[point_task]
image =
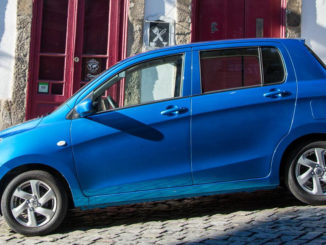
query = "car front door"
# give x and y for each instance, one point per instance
(245, 105)
(140, 142)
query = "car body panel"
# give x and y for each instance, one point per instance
(39, 146)
(20, 128)
(180, 192)
(125, 151)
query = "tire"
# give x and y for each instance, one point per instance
(34, 203)
(306, 173)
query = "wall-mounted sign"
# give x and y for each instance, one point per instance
(43, 88)
(158, 33)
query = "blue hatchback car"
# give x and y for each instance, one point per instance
(183, 121)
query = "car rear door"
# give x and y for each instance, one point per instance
(241, 109)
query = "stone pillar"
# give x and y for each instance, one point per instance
(134, 46)
(183, 23)
(293, 18)
(13, 111)
(135, 27)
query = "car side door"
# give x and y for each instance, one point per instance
(243, 105)
(140, 142)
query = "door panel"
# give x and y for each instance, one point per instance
(142, 143)
(263, 18)
(54, 26)
(49, 86)
(220, 19)
(230, 19)
(133, 149)
(91, 53)
(234, 133)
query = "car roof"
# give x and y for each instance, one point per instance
(217, 42)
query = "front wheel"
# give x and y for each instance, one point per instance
(34, 203)
(306, 173)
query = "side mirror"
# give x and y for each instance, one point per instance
(85, 108)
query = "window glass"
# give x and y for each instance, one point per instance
(147, 82)
(229, 68)
(273, 65)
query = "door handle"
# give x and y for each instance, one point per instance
(173, 111)
(276, 93)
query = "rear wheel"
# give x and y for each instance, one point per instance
(34, 203)
(306, 173)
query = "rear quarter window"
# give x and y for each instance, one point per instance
(272, 65)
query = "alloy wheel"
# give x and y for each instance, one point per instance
(310, 171)
(33, 203)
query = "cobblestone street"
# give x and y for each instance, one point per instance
(268, 217)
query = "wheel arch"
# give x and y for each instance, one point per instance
(306, 139)
(33, 166)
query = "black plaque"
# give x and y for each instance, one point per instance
(159, 33)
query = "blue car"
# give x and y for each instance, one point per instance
(191, 120)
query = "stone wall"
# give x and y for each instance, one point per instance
(13, 111)
(135, 27)
(183, 23)
(134, 46)
(293, 18)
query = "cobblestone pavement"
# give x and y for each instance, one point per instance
(267, 217)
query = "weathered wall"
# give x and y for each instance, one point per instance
(135, 26)
(183, 22)
(12, 111)
(134, 46)
(314, 25)
(8, 9)
(293, 18)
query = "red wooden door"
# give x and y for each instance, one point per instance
(263, 18)
(72, 42)
(219, 19)
(229, 19)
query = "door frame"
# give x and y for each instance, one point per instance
(195, 27)
(119, 54)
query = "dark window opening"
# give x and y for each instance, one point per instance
(57, 88)
(272, 65)
(230, 68)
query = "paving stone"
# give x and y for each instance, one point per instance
(311, 235)
(266, 217)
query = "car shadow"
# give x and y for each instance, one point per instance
(177, 209)
(128, 125)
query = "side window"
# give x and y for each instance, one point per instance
(146, 82)
(229, 68)
(273, 65)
